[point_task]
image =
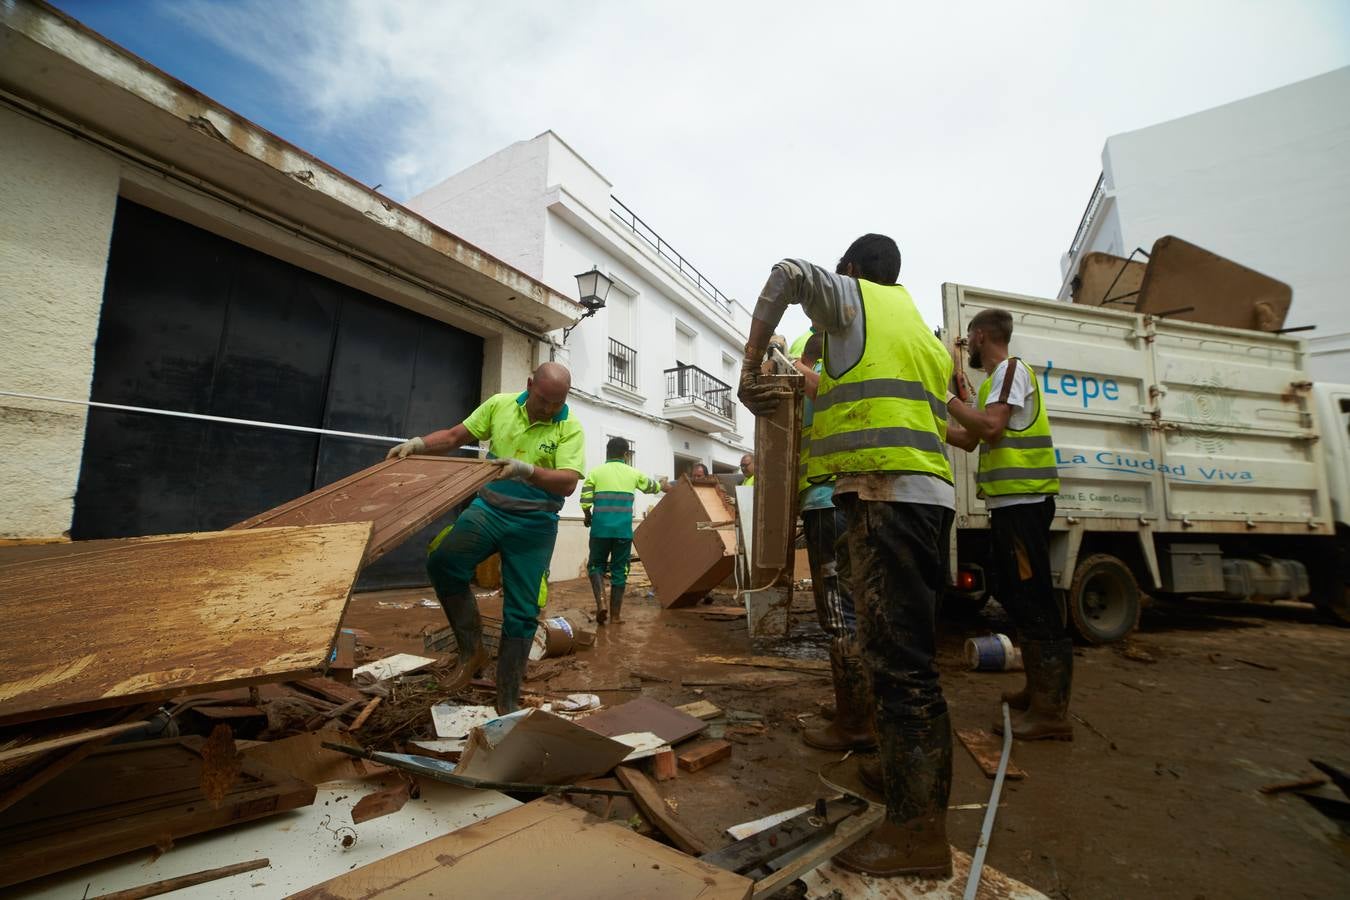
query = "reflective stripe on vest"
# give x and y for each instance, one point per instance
(1023, 462)
(885, 414)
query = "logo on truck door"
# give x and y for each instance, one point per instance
(1083, 388)
(1116, 461)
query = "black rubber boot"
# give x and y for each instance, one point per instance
(462, 612)
(1050, 683)
(912, 839)
(512, 657)
(852, 727)
(1031, 659)
(870, 774)
(598, 588)
(616, 601)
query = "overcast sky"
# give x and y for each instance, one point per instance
(745, 132)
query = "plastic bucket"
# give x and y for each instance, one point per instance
(992, 653)
(555, 637)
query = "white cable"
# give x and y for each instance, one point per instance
(222, 419)
(977, 861)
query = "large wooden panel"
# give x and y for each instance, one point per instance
(687, 543)
(92, 624)
(777, 459)
(1191, 283)
(131, 797)
(547, 848)
(1105, 276)
(400, 496)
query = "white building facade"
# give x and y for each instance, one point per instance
(658, 365)
(1264, 181)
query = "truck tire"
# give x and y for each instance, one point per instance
(1104, 600)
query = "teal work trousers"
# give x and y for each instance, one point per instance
(525, 541)
(612, 554)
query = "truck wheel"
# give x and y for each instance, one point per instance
(1103, 599)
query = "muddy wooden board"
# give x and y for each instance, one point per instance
(547, 848)
(400, 496)
(1191, 283)
(687, 543)
(777, 440)
(986, 749)
(118, 622)
(1105, 276)
(130, 797)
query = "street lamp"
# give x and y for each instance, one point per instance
(592, 287)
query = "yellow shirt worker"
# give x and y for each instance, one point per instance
(607, 504)
(541, 451)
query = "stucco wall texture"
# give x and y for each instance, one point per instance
(58, 197)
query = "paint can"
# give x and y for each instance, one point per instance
(993, 653)
(555, 637)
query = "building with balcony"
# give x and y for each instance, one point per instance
(659, 363)
(1264, 181)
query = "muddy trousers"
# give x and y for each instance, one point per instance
(898, 559)
(525, 541)
(1023, 583)
(612, 554)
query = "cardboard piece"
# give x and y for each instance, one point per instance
(391, 667)
(644, 744)
(451, 721)
(548, 848)
(682, 560)
(535, 747)
(644, 714)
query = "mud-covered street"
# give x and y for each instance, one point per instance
(1157, 796)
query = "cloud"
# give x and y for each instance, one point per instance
(746, 132)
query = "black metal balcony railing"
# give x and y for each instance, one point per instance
(622, 365)
(692, 384)
(669, 253)
(1085, 223)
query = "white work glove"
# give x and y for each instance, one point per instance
(518, 469)
(416, 445)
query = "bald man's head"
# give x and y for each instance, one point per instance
(547, 389)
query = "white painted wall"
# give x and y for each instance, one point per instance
(572, 222)
(1264, 181)
(57, 200)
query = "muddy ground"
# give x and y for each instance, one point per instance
(1156, 797)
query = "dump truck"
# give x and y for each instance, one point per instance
(1195, 461)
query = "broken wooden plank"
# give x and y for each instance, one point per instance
(813, 666)
(231, 608)
(649, 800)
(130, 797)
(703, 754)
(303, 756)
(330, 690)
(164, 886)
(68, 740)
(398, 497)
(987, 750)
(584, 858)
(382, 803)
(1299, 785)
(365, 714)
(700, 709)
(846, 834)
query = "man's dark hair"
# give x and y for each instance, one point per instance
(997, 322)
(617, 448)
(875, 256)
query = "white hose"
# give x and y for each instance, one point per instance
(977, 861)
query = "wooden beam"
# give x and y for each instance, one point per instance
(155, 888)
(649, 800)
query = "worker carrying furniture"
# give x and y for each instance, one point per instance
(878, 430)
(825, 525)
(1018, 480)
(748, 470)
(541, 451)
(607, 505)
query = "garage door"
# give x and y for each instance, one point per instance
(195, 323)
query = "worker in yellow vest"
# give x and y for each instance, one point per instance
(880, 420)
(607, 506)
(1018, 479)
(851, 725)
(748, 470)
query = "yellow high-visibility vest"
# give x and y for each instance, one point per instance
(885, 414)
(1023, 462)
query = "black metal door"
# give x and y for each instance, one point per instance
(193, 322)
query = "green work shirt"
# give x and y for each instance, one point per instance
(556, 444)
(608, 493)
